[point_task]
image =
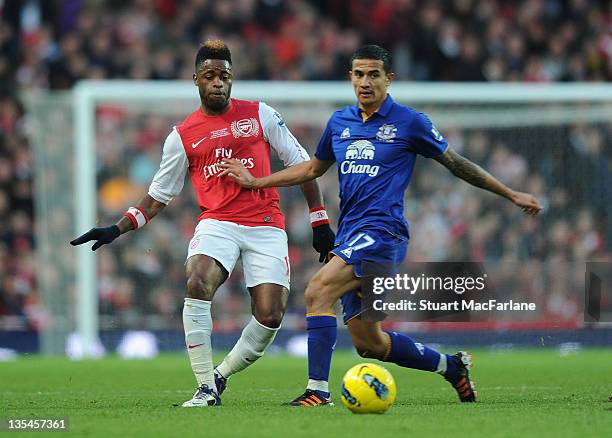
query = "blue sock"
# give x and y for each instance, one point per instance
(322, 333)
(407, 353)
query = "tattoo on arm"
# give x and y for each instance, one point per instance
(463, 168)
(471, 172)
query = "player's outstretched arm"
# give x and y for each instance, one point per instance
(166, 184)
(477, 176)
(291, 176)
(143, 212)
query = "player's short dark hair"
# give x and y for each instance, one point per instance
(213, 49)
(372, 51)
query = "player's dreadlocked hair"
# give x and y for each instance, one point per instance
(213, 49)
(372, 51)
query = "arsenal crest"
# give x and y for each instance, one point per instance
(245, 127)
(386, 133)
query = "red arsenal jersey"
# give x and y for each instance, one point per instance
(246, 131)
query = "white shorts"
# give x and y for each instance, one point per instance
(264, 252)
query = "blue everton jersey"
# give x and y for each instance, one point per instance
(375, 161)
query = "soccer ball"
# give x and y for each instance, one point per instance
(368, 389)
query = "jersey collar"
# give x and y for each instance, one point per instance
(383, 110)
(229, 110)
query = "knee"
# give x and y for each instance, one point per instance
(199, 288)
(316, 291)
(310, 295)
(271, 319)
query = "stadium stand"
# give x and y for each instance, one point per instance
(53, 44)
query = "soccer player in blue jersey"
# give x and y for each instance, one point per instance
(375, 145)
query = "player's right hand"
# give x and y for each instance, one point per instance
(238, 171)
(102, 236)
(528, 203)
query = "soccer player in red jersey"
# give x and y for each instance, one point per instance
(235, 222)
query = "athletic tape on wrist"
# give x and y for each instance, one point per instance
(318, 216)
(138, 217)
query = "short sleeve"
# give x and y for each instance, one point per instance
(325, 151)
(425, 139)
(277, 134)
(170, 178)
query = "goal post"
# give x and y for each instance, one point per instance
(85, 195)
(450, 105)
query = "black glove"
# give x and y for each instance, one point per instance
(101, 235)
(323, 240)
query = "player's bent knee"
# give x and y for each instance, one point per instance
(317, 293)
(271, 320)
(315, 299)
(310, 296)
(199, 288)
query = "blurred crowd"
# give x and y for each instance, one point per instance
(53, 43)
(18, 294)
(47, 44)
(569, 169)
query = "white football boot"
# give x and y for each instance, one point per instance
(204, 396)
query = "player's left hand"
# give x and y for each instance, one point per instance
(236, 170)
(323, 239)
(527, 202)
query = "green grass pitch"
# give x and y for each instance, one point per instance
(522, 393)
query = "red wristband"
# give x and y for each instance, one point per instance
(138, 217)
(318, 217)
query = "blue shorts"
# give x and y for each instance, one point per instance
(364, 247)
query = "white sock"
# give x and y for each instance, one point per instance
(318, 385)
(253, 342)
(442, 365)
(197, 323)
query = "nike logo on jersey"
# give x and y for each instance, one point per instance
(195, 145)
(194, 346)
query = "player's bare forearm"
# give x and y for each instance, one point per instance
(291, 176)
(477, 176)
(150, 206)
(472, 173)
(312, 194)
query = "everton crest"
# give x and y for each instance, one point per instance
(386, 133)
